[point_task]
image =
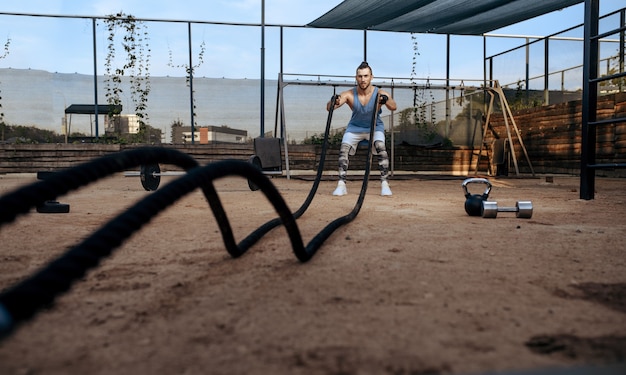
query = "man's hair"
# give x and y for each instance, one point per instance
(364, 65)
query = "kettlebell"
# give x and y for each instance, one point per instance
(474, 202)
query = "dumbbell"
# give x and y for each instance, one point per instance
(50, 206)
(151, 176)
(522, 209)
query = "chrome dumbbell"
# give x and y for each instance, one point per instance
(522, 209)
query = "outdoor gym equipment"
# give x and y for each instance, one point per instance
(478, 205)
(474, 202)
(266, 158)
(522, 209)
(51, 206)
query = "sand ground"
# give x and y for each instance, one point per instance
(412, 286)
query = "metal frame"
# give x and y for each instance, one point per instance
(508, 116)
(491, 87)
(590, 80)
(591, 55)
(546, 63)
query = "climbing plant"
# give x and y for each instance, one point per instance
(189, 70)
(413, 78)
(135, 42)
(424, 116)
(5, 53)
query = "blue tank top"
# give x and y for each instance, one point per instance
(361, 119)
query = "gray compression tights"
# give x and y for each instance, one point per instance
(383, 160)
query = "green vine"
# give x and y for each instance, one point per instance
(5, 53)
(415, 54)
(135, 43)
(419, 109)
(189, 72)
(420, 102)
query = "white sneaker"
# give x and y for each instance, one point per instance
(384, 189)
(341, 189)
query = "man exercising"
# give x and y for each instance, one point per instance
(361, 100)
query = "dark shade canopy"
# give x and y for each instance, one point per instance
(462, 17)
(90, 109)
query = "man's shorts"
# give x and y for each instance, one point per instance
(353, 140)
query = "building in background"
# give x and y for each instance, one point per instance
(121, 124)
(208, 134)
(124, 125)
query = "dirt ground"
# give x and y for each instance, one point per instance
(412, 286)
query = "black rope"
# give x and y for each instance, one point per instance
(323, 235)
(268, 226)
(59, 183)
(317, 241)
(22, 301)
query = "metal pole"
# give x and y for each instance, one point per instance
(95, 75)
(484, 63)
(364, 45)
(193, 135)
(546, 73)
(391, 129)
(589, 101)
(622, 41)
(487, 65)
(527, 69)
(282, 112)
(447, 85)
(262, 69)
(277, 114)
(67, 129)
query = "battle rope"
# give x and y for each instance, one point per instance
(327, 231)
(335, 224)
(22, 301)
(268, 226)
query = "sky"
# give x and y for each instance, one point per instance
(65, 45)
